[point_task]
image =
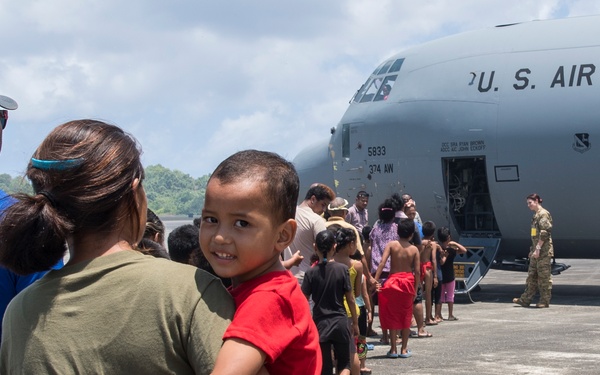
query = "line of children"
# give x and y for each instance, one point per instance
(432, 256)
(328, 283)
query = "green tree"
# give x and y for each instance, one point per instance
(168, 191)
(5, 180)
(174, 192)
(13, 185)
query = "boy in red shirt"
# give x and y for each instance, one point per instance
(247, 221)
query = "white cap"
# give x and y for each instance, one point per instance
(8, 103)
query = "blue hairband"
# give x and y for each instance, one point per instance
(58, 165)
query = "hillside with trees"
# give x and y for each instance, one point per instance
(169, 192)
(174, 192)
(15, 184)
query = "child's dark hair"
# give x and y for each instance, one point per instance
(397, 202)
(387, 211)
(155, 229)
(344, 237)
(428, 229)
(149, 247)
(278, 176)
(324, 242)
(366, 233)
(356, 256)
(183, 241)
(406, 228)
(443, 234)
(334, 228)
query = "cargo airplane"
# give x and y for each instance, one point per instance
(471, 124)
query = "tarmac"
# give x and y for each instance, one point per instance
(494, 336)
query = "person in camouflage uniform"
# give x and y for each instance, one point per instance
(539, 276)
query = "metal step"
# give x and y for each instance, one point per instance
(470, 268)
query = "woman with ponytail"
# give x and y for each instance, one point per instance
(328, 283)
(111, 309)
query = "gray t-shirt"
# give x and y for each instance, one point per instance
(123, 313)
(309, 225)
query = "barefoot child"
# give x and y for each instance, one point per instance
(366, 232)
(346, 241)
(449, 249)
(364, 318)
(247, 221)
(396, 296)
(328, 283)
(429, 268)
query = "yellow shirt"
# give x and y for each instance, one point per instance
(353, 274)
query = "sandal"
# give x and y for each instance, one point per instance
(372, 333)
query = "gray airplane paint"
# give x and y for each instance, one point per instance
(473, 124)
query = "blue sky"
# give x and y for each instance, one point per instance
(195, 81)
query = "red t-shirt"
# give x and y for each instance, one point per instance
(273, 315)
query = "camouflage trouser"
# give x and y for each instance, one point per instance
(539, 278)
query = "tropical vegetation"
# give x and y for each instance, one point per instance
(169, 192)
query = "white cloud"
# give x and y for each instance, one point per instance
(196, 81)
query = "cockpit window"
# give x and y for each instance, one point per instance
(361, 91)
(396, 66)
(379, 86)
(385, 67)
(386, 88)
(371, 90)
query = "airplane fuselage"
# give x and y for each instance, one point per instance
(471, 125)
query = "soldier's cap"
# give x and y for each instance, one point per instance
(338, 204)
(362, 194)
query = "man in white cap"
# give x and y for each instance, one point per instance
(338, 209)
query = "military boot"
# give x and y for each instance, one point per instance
(520, 302)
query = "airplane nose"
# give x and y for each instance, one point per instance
(314, 164)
